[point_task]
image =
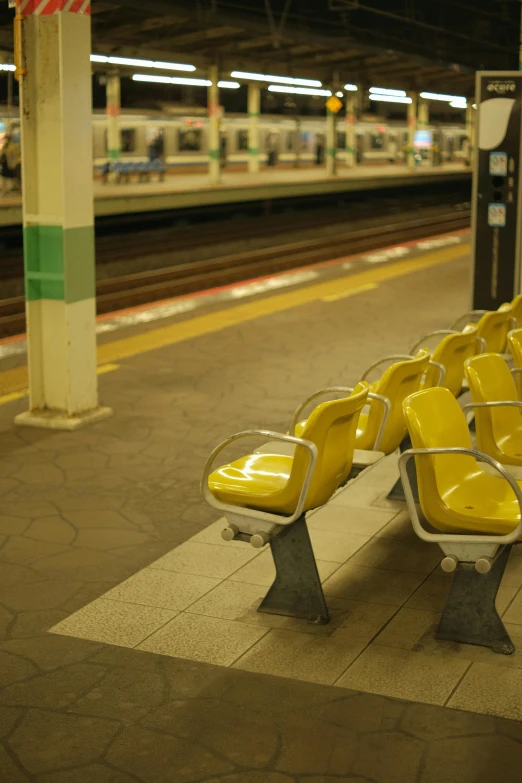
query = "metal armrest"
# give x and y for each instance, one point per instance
(442, 371)
(468, 315)
(494, 404)
(482, 344)
(387, 359)
(436, 333)
(385, 402)
(514, 370)
(476, 538)
(246, 512)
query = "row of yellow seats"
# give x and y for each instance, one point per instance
(273, 482)
(456, 493)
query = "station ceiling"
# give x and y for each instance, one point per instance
(394, 43)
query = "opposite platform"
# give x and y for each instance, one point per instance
(190, 190)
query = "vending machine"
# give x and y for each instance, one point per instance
(496, 197)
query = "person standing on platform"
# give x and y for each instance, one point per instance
(392, 150)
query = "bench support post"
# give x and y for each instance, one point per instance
(296, 591)
(397, 491)
(470, 615)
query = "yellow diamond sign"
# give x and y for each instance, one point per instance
(333, 104)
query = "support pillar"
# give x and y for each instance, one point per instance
(214, 164)
(113, 116)
(351, 157)
(56, 117)
(470, 132)
(331, 146)
(254, 107)
(423, 115)
(412, 128)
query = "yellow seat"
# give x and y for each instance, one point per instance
(514, 339)
(398, 381)
(274, 482)
(451, 352)
(455, 494)
(493, 328)
(498, 416)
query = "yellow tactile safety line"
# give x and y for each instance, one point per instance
(16, 380)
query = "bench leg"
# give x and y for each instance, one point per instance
(397, 491)
(296, 591)
(470, 615)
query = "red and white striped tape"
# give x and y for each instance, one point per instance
(47, 7)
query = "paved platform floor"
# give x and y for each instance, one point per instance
(80, 513)
(187, 190)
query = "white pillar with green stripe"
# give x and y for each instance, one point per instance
(331, 142)
(214, 109)
(351, 158)
(254, 108)
(56, 119)
(470, 131)
(113, 89)
(412, 128)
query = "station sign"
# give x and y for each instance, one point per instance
(497, 197)
(333, 104)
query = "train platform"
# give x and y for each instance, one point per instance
(190, 190)
(131, 647)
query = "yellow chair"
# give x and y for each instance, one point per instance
(265, 496)
(399, 380)
(451, 352)
(493, 326)
(514, 339)
(495, 402)
(475, 517)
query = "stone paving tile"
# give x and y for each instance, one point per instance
(303, 656)
(114, 622)
(202, 638)
(362, 522)
(206, 559)
(163, 589)
(377, 585)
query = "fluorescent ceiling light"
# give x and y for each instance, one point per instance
(385, 91)
(298, 90)
(390, 98)
(434, 96)
(263, 77)
(351, 87)
(7, 67)
(340, 94)
(145, 77)
(229, 85)
(459, 104)
(100, 58)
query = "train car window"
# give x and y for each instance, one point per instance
(341, 140)
(305, 142)
(189, 139)
(128, 140)
(242, 140)
(376, 141)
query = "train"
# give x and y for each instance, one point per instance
(182, 140)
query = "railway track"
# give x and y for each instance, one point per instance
(152, 285)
